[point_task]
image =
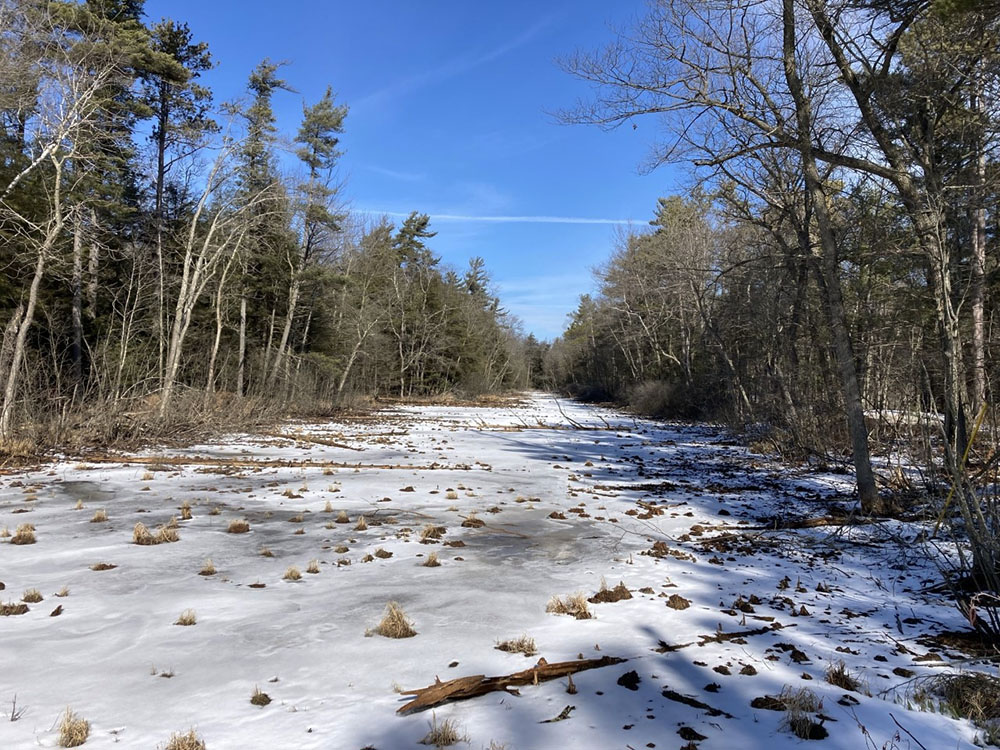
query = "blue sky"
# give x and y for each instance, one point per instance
(450, 108)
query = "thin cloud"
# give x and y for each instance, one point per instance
(511, 219)
(395, 174)
(454, 67)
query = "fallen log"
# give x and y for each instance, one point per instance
(463, 688)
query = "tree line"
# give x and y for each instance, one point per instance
(833, 268)
(167, 255)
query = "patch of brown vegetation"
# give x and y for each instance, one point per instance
(394, 624)
(522, 645)
(73, 730)
(259, 697)
(574, 605)
(24, 534)
(188, 741)
(10, 609)
(103, 566)
(676, 601)
(238, 526)
(606, 595)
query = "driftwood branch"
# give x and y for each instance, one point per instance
(473, 686)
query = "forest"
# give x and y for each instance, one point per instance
(171, 259)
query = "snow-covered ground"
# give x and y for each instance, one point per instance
(570, 495)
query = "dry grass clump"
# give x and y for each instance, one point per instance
(259, 697)
(4, 533)
(443, 734)
(266, 552)
(430, 532)
(432, 561)
(292, 574)
(103, 566)
(524, 644)
(395, 623)
(451, 495)
(63, 592)
(215, 511)
(313, 566)
(79, 505)
(342, 517)
(10, 609)
(187, 741)
(574, 605)
(297, 518)
(472, 521)
(164, 535)
(100, 516)
(32, 596)
(383, 554)
(971, 695)
(606, 595)
(186, 513)
(800, 707)
(24, 534)
(187, 618)
(73, 730)
(328, 508)
(362, 524)
(837, 674)
(238, 526)
(208, 569)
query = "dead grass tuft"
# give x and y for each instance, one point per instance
(383, 554)
(187, 741)
(342, 517)
(4, 533)
(32, 596)
(362, 524)
(971, 695)
(574, 605)
(524, 644)
(238, 526)
(606, 595)
(141, 534)
(395, 623)
(259, 697)
(73, 730)
(100, 516)
(103, 566)
(79, 505)
(800, 707)
(187, 618)
(328, 508)
(432, 561)
(166, 535)
(313, 567)
(837, 674)
(186, 513)
(443, 734)
(266, 552)
(292, 574)
(451, 495)
(63, 592)
(24, 534)
(10, 609)
(208, 569)
(430, 532)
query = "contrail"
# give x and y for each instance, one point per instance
(512, 219)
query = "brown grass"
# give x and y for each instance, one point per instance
(971, 695)
(208, 569)
(800, 706)
(32, 596)
(430, 532)
(187, 618)
(383, 554)
(238, 526)
(73, 730)
(432, 561)
(837, 674)
(187, 741)
(451, 495)
(395, 623)
(342, 517)
(259, 697)
(100, 516)
(328, 508)
(443, 734)
(266, 552)
(64, 591)
(24, 534)
(524, 644)
(186, 513)
(103, 566)
(362, 524)
(297, 518)
(4, 533)
(606, 595)
(10, 609)
(292, 574)
(574, 605)
(79, 505)
(313, 567)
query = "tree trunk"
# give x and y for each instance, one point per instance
(241, 366)
(76, 347)
(829, 276)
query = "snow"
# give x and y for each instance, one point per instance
(109, 654)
